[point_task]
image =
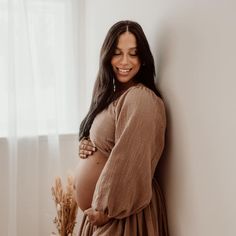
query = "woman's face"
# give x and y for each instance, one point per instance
(125, 61)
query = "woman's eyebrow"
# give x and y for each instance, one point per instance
(132, 48)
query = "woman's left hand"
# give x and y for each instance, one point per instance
(86, 148)
(96, 217)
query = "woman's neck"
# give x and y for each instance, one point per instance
(124, 86)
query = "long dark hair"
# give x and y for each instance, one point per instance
(103, 93)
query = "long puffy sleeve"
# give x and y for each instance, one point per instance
(125, 184)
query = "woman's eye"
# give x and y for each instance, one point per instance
(133, 53)
(116, 53)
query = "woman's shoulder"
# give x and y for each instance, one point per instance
(141, 102)
(141, 95)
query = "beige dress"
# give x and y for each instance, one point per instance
(131, 133)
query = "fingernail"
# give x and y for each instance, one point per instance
(94, 149)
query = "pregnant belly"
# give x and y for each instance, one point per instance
(86, 177)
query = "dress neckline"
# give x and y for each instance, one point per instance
(126, 90)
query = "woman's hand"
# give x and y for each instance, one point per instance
(96, 217)
(86, 148)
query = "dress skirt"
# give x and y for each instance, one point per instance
(150, 221)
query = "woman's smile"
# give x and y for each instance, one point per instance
(123, 71)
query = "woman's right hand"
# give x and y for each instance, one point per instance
(86, 148)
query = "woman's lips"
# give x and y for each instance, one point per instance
(123, 71)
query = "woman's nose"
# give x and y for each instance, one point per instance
(124, 60)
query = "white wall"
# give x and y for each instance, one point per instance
(194, 45)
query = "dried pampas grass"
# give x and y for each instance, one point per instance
(66, 207)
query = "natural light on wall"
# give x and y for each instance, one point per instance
(38, 71)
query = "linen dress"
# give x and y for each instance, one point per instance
(131, 133)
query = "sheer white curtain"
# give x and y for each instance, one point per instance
(41, 106)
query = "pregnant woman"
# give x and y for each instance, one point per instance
(126, 122)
